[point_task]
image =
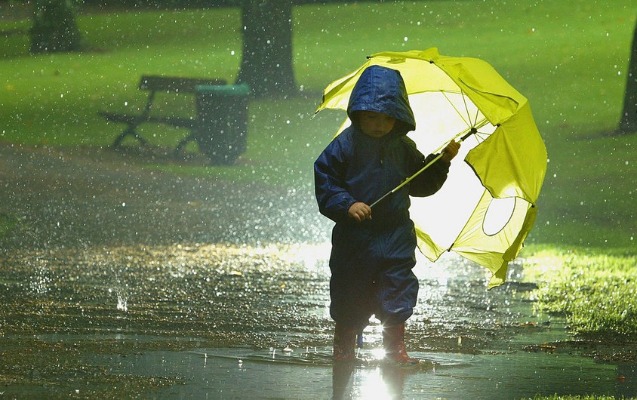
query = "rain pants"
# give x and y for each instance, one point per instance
(371, 262)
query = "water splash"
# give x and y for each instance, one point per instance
(122, 301)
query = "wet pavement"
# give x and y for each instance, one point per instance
(120, 283)
(225, 322)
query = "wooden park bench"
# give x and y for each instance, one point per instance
(159, 84)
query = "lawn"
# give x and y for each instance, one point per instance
(569, 58)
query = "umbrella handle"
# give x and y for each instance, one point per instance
(411, 178)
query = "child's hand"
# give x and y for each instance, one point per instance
(360, 211)
(449, 152)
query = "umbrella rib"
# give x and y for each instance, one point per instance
(464, 100)
(482, 136)
(477, 116)
(457, 110)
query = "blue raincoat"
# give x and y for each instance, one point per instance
(371, 262)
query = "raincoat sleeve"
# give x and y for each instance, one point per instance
(431, 179)
(329, 183)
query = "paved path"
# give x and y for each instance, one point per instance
(81, 197)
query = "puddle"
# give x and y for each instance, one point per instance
(243, 374)
(212, 321)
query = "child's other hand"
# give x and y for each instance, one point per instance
(360, 211)
(449, 152)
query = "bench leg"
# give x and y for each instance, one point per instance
(129, 131)
(182, 143)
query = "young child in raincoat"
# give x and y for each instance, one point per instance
(373, 251)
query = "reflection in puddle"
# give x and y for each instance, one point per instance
(244, 373)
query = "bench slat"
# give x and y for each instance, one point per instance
(115, 117)
(182, 122)
(179, 122)
(175, 84)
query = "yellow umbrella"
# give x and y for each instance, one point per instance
(487, 207)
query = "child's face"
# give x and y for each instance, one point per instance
(375, 124)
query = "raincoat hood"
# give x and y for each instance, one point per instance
(382, 90)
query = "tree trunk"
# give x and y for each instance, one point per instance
(266, 65)
(54, 28)
(628, 122)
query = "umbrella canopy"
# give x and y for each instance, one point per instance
(487, 207)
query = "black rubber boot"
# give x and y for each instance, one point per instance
(344, 343)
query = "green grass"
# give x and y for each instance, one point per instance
(556, 397)
(595, 289)
(54, 99)
(569, 58)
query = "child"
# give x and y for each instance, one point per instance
(373, 251)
